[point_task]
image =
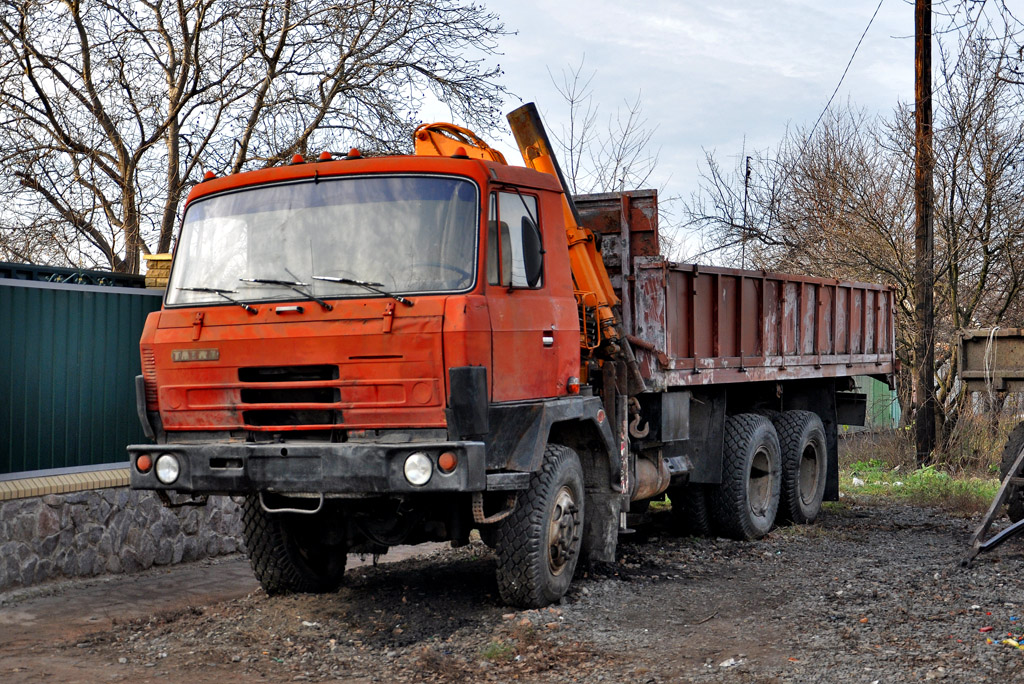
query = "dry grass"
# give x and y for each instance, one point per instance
(804, 531)
(973, 447)
(962, 482)
(443, 665)
(894, 448)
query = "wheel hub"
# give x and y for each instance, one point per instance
(808, 475)
(759, 483)
(563, 531)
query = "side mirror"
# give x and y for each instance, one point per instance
(533, 252)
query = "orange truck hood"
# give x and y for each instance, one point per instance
(366, 364)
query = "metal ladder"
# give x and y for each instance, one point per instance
(978, 542)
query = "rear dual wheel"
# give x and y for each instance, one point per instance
(745, 503)
(772, 467)
(804, 465)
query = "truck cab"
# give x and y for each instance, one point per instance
(367, 350)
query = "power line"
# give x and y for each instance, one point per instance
(973, 25)
(810, 135)
(843, 77)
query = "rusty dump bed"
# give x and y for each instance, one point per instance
(992, 359)
(701, 325)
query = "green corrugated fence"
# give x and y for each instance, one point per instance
(883, 409)
(69, 355)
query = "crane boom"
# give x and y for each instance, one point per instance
(445, 140)
(588, 268)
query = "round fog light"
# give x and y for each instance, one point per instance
(418, 468)
(167, 468)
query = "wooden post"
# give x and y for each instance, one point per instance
(924, 257)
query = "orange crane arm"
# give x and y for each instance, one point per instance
(587, 265)
(445, 139)
(588, 269)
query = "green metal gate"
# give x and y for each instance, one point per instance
(69, 355)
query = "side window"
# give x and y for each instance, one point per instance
(514, 252)
(498, 251)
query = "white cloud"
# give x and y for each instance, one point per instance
(710, 74)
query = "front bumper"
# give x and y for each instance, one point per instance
(346, 468)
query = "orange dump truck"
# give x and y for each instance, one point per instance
(402, 349)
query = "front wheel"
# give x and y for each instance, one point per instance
(746, 502)
(292, 552)
(539, 543)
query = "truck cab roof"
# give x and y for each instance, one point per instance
(473, 168)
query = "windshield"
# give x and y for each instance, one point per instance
(331, 237)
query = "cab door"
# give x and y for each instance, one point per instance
(530, 328)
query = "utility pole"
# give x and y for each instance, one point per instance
(924, 237)
(746, 230)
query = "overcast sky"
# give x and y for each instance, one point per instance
(710, 73)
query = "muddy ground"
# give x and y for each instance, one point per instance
(874, 592)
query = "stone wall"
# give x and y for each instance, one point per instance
(108, 531)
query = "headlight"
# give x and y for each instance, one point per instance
(167, 468)
(418, 468)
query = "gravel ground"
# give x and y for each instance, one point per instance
(874, 592)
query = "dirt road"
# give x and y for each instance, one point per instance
(872, 593)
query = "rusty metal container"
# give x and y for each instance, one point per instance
(992, 359)
(700, 325)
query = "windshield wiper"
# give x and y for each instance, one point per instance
(292, 284)
(372, 287)
(222, 293)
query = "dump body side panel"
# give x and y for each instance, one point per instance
(717, 325)
(700, 325)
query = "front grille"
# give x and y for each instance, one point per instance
(292, 395)
(288, 373)
(270, 417)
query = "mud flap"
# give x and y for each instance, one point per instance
(601, 525)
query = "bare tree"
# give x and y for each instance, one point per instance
(611, 157)
(609, 154)
(840, 204)
(110, 109)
